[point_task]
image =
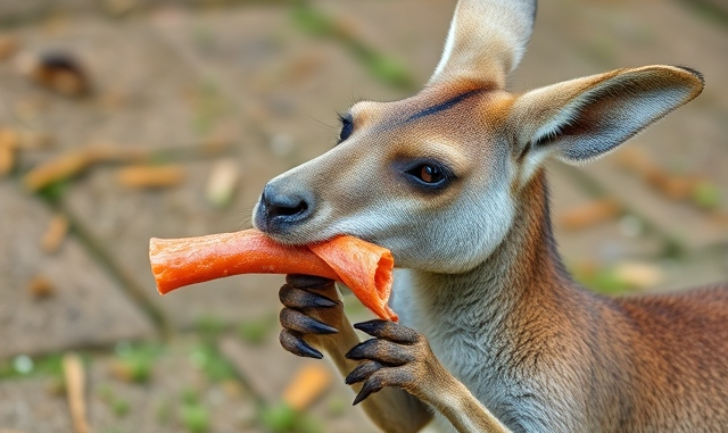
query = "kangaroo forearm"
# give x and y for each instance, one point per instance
(453, 400)
(393, 410)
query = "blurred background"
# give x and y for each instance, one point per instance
(121, 120)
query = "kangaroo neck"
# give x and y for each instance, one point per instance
(524, 270)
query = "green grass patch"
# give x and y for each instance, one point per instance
(164, 412)
(706, 195)
(384, 68)
(256, 331)
(209, 107)
(216, 367)
(336, 407)
(281, 418)
(119, 406)
(210, 326)
(55, 191)
(602, 280)
(195, 418)
(135, 362)
(26, 366)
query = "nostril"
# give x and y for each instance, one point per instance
(289, 206)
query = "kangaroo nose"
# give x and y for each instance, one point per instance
(280, 208)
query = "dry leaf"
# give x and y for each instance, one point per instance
(61, 168)
(309, 383)
(144, 176)
(222, 182)
(40, 287)
(8, 46)
(55, 233)
(589, 214)
(639, 275)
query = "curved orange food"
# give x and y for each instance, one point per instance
(364, 267)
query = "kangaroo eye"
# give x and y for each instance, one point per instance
(347, 126)
(429, 174)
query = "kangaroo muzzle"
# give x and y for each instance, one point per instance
(283, 206)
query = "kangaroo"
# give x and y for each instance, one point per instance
(495, 335)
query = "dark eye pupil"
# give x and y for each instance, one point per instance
(346, 128)
(430, 174)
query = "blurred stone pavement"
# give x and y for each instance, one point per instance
(197, 86)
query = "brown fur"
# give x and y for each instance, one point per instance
(656, 362)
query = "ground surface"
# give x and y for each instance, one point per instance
(196, 84)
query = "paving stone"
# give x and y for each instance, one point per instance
(162, 105)
(28, 406)
(85, 308)
(617, 242)
(704, 268)
(412, 32)
(602, 243)
(268, 369)
(156, 405)
(13, 12)
(287, 82)
(142, 96)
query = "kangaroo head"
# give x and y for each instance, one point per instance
(436, 177)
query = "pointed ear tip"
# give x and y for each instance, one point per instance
(700, 82)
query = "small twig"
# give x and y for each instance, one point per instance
(71, 164)
(75, 385)
(8, 145)
(55, 233)
(309, 383)
(148, 176)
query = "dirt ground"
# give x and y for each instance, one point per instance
(193, 89)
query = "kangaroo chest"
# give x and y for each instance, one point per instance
(469, 340)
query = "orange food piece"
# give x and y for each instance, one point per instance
(364, 267)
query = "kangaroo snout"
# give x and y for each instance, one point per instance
(282, 206)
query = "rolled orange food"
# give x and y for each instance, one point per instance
(364, 267)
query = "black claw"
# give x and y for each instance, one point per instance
(370, 386)
(389, 331)
(362, 350)
(370, 327)
(386, 352)
(306, 282)
(324, 302)
(299, 322)
(292, 297)
(295, 344)
(362, 371)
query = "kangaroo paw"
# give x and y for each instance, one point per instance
(398, 356)
(312, 311)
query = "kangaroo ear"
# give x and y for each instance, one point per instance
(486, 41)
(582, 119)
